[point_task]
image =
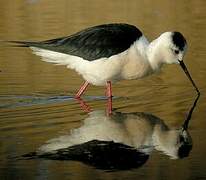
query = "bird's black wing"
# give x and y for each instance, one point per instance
(95, 42)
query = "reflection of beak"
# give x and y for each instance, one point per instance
(186, 122)
(188, 75)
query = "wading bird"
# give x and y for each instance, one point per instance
(109, 53)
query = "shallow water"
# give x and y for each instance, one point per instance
(36, 103)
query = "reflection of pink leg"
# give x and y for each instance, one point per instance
(81, 90)
(83, 105)
(109, 96)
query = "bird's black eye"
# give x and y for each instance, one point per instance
(176, 51)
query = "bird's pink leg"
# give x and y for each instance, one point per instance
(109, 96)
(81, 90)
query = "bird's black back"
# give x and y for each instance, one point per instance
(95, 42)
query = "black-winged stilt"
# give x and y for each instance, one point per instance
(108, 53)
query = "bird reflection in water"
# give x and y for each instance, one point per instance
(120, 141)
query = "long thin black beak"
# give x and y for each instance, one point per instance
(188, 75)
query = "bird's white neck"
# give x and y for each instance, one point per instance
(143, 58)
(155, 54)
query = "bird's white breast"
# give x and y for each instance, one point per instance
(136, 63)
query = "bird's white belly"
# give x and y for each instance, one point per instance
(115, 68)
(96, 72)
(100, 71)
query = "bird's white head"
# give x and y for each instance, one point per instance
(174, 46)
(168, 48)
